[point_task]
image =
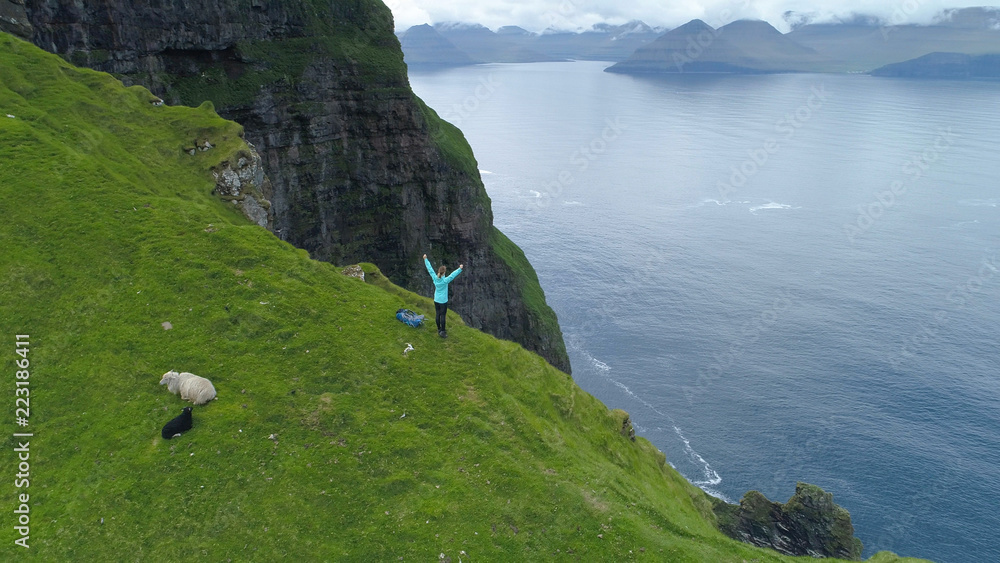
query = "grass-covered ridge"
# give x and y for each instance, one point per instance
(111, 230)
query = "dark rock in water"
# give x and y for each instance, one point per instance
(808, 524)
(360, 169)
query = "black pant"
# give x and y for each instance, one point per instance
(440, 314)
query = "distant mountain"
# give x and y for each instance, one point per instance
(860, 43)
(771, 50)
(944, 65)
(743, 46)
(515, 31)
(864, 47)
(603, 42)
(424, 46)
(692, 47)
(484, 45)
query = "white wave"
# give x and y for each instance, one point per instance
(535, 193)
(717, 495)
(771, 205)
(597, 364)
(572, 203)
(962, 224)
(722, 203)
(994, 202)
(711, 477)
(485, 172)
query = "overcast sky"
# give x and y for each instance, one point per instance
(537, 15)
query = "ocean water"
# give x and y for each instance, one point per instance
(782, 278)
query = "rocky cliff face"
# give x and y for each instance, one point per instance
(808, 524)
(14, 19)
(360, 169)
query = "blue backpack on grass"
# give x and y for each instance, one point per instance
(409, 317)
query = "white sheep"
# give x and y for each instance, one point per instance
(192, 388)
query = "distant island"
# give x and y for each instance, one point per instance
(459, 44)
(743, 46)
(944, 65)
(862, 44)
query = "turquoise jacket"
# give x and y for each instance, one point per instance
(440, 284)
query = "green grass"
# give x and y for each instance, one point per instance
(111, 230)
(452, 144)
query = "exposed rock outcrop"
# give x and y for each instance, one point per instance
(13, 19)
(808, 524)
(626, 429)
(360, 169)
(245, 184)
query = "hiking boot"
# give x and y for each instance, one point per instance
(443, 334)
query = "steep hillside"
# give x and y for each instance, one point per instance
(326, 442)
(361, 169)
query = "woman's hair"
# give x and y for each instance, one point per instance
(442, 271)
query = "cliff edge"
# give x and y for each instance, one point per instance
(360, 168)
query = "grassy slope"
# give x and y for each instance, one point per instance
(111, 230)
(376, 51)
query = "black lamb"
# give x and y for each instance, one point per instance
(178, 425)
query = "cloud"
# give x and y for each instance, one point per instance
(538, 15)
